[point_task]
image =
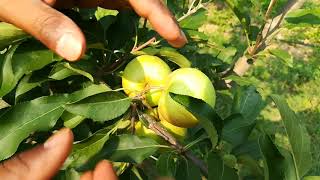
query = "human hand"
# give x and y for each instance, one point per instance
(44, 161)
(60, 34)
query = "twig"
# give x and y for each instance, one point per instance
(272, 3)
(160, 131)
(268, 31)
(150, 41)
(133, 117)
(189, 13)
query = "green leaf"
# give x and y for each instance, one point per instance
(216, 167)
(9, 34)
(101, 107)
(242, 81)
(247, 102)
(40, 114)
(8, 80)
(82, 151)
(186, 170)
(298, 138)
(250, 147)
(24, 86)
(166, 165)
(237, 129)
(283, 55)
(273, 160)
(64, 70)
(106, 17)
(125, 148)
(241, 8)
(21, 120)
(194, 21)
(23, 60)
(312, 178)
(218, 170)
(89, 89)
(227, 54)
(175, 57)
(196, 35)
(304, 16)
(208, 118)
(101, 12)
(71, 120)
(31, 56)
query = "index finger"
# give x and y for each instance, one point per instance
(161, 20)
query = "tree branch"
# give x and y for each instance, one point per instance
(268, 30)
(160, 131)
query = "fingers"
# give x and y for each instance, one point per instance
(87, 176)
(51, 27)
(41, 162)
(161, 19)
(104, 170)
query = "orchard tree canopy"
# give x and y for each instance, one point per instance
(214, 104)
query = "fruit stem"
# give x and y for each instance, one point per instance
(160, 131)
(133, 117)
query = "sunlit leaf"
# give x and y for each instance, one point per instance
(125, 148)
(283, 55)
(64, 70)
(10, 34)
(174, 56)
(304, 16)
(298, 137)
(21, 120)
(194, 21)
(101, 107)
(71, 120)
(8, 79)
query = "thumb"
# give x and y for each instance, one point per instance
(41, 162)
(52, 28)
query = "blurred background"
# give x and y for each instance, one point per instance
(297, 79)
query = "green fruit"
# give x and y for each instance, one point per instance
(190, 82)
(145, 72)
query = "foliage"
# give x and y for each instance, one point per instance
(43, 93)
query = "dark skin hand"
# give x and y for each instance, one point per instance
(60, 34)
(44, 161)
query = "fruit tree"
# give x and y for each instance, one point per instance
(153, 110)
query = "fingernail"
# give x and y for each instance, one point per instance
(69, 47)
(184, 36)
(180, 41)
(55, 139)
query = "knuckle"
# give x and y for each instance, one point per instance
(9, 172)
(48, 24)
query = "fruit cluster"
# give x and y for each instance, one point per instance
(151, 78)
